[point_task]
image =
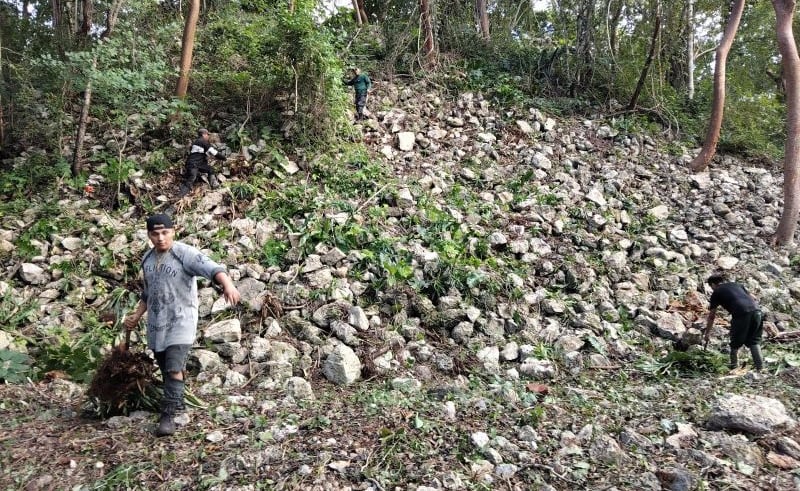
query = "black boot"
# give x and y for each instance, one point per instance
(758, 360)
(166, 425)
(173, 399)
(734, 363)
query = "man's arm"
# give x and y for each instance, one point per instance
(351, 81)
(229, 290)
(712, 314)
(369, 82)
(133, 318)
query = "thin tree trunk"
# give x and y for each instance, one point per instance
(649, 61)
(77, 155)
(483, 18)
(585, 44)
(2, 79)
(690, 47)
(187, 46)
(357, 11)
(784, 12)
(428, 45)
(717, 106)
(613, 25)
(362, 11)
(111, 18)
(25, 14)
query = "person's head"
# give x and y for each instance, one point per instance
(161, 232)
(356, 70)
(715, 280)
(203, 133)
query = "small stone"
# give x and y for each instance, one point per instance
(596, 196)
(299, 389)
(342, 366)
(479, 439)
(229, 330)
(455, 122)
(32, 274)
(727, 262)
(215, 436)
(659, 212)
(289, 167)
(404, 198)
(524, 127)
(539, 369)
(497, 239)
(72, 243)
(405, 141)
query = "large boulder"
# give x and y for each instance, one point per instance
(755, 415)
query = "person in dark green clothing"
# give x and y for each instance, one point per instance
(361, 83)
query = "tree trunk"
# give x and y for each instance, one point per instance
(357, 11)
(362, 12)
(187, 46)
(784, 12)
(690, 47)
(584, 45)
(111, 17)
(428, 45)
(77, 155)
(649, 61)
(718, 104)
(86, 20)
(483, 18)
(613, 25)
(2, 78)
(291, 6)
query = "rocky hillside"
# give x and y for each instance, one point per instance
(461, 297)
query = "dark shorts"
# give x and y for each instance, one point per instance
(173, 359)
(746, 329)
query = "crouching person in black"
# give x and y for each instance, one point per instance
(746, 318)
(197, 162)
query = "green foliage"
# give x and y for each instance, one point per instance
(353, 175)
(116, 171)
(265, 59)
(693, 363)
(273, 252)
(16, 313)
(754, 126)
(14, 366)
(77, 356)
(38, 172)
(123, 476)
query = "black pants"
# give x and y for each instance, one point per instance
(361, 101)
(191, 173)
(746, 329)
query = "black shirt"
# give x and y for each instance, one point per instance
(197, 154)
(733, 298)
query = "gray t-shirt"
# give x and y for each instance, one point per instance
(170, 291)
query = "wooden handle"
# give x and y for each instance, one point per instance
(125, 344)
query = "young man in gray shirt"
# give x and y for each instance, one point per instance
(170, 300)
